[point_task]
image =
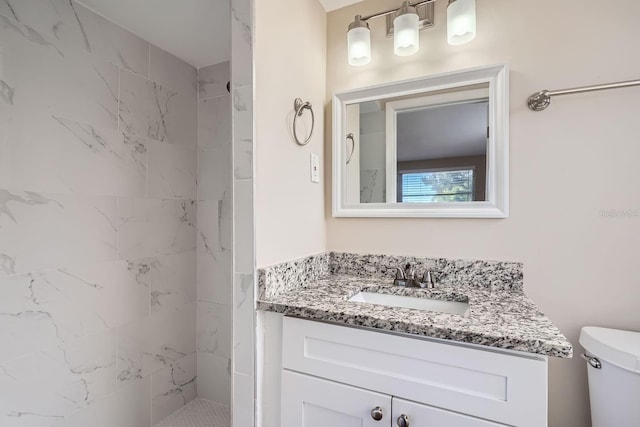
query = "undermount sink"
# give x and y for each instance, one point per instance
(451, 307)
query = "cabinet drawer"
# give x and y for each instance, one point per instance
(494, 385)
(424, 415)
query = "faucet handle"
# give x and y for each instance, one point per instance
(427, 280)
(400, 273)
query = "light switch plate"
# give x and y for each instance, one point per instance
(315, 168)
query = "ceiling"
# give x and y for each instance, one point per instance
(197, 31)
(445, 131)
(330, 5)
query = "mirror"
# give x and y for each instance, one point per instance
(430, 147)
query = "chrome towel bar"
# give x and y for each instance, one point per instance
(299, 106)
(541, 100)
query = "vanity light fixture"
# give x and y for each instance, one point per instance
(405, 24)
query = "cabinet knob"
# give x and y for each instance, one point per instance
(403, 421)
(376, 413)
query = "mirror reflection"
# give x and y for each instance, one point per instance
(421, 148)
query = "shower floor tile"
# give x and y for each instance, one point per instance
(199, 413)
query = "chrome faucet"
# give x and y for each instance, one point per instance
(407, 277)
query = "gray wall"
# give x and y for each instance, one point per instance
(98, 154)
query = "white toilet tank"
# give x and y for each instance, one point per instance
(614, 376)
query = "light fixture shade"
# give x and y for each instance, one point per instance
(359, 42)
(406, 31)
(461, 21)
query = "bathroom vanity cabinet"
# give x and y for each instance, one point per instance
(336, 375)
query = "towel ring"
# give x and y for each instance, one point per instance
(299, 105)
(353, 146)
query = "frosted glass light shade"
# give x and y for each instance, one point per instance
(406, 34)
(461, 22)
(359, 46)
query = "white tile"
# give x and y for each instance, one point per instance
(214, 227)
(213, 79)
(42, 79)
(148, 109)
(172, 72)
(214, 329)
(149, 227)
(241, 49)
(172, 171)
(52, 154)
(243, 406)
(243, 324)
(173, 281)
(214, 378)
(243, 133)
(214, 123)
(214, 173)
(199, 413)
(243, 226)
(59, 307)
(214, 277)
(149, 345)
(70, 28)
(40, 231)
(130, 406)
(173, 387)
(71, 377)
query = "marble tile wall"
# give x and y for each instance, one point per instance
(244, 393)
(214, 234)
(98, 222)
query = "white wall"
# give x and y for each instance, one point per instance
(290, 62)
(569, 164)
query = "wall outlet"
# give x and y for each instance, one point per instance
(315, 168)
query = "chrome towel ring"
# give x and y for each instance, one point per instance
(299, 105)
(353, 147)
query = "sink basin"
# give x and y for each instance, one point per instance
(451, 307)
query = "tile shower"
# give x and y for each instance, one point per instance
(115, 223)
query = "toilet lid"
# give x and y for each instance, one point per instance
(621, 348)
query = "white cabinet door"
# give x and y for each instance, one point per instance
(311, 402)
(427, 416)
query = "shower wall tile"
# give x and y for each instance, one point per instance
(172, 171)
(129, 407)
(214, 173)
(150, 110)
(67, 27)
(243, 138)
(65, 156)
(62, 306)
(243, 226)
(155, 343)
(214, 378)
(148, 227)
(214, 277)
(243, 323)
(39, 77)
(214, 123)
(98, 236)
(78, 374)
(172, 72)
(214, 227)
(39, 231)
(214, 329)
(212, 80)
(244, 402)
(173, 387)
(172, 282)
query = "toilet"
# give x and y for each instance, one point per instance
(613, 365)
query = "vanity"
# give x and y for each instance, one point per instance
(474, 355)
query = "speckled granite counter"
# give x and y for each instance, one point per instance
(500, 314)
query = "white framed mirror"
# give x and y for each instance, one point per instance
(436, 146)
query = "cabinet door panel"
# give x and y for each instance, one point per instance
(422, 416)
(311, 402)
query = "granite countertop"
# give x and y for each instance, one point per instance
(497, 317)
